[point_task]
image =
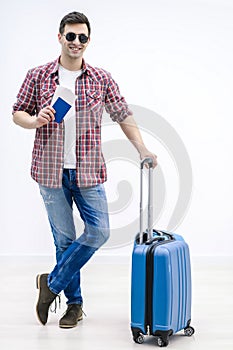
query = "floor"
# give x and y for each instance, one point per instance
(106, 290)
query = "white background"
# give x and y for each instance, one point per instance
(171, 56)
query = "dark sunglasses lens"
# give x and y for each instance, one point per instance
(70, 36)
(83, 38)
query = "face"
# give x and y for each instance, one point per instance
(73, 49)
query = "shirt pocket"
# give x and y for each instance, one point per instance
(94, 101)
(46, 92)
(46, 98)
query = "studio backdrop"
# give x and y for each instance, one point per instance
(173, 63)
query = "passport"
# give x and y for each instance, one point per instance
(61, 107)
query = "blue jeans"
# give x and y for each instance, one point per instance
(72, 252)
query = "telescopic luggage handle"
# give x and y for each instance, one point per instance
(148, 161)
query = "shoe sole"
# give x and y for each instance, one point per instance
(38, 281)
(71, 326)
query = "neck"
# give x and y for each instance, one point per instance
(71, 64)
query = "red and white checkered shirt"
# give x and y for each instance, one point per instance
(96, 90)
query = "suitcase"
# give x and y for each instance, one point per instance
(160, 279)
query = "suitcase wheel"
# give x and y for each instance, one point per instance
(162, 342)
(139, 339)
(189, 331)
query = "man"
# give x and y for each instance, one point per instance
(67, 161)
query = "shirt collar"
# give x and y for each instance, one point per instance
(86, 68)
(55, 66)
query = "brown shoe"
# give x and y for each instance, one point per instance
(74, 313)
(46, 297)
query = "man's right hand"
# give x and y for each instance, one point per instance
(25, 120)
(45, 116)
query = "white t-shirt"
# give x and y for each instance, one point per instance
(67, 79)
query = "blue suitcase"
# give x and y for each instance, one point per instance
(160, 280)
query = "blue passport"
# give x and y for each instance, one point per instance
(61, 107)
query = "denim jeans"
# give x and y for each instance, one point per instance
(72, 252)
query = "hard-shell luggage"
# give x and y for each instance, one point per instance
(160, 280)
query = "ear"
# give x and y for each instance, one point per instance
(59, 37)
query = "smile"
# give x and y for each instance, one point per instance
(75, 48)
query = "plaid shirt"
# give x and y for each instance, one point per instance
(96, 90)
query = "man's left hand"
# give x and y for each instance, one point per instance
(147, 154)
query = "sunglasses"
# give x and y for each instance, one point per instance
(81, 37)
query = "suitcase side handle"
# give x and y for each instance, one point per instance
(164, 233)
(162, 237)
(148, 161)
(155, 239)
(148, 242)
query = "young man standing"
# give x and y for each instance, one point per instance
(67, 162)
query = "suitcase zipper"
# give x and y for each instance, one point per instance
(149, 285)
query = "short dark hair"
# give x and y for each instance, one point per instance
(73, 18)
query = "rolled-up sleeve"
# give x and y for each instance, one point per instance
(115, 104)
(26, 100)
